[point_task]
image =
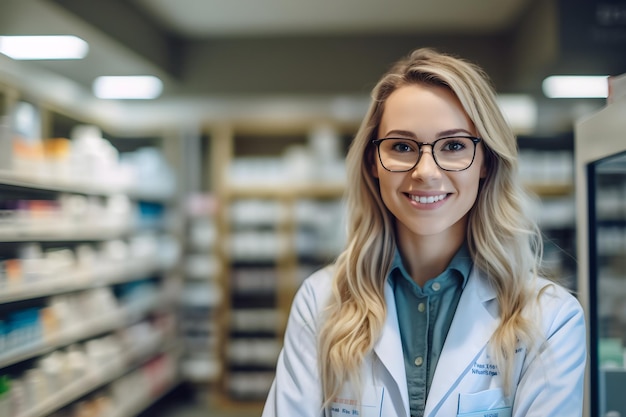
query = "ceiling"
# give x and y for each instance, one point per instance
(267, 58)
(201, 19)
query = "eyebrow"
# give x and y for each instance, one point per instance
(443, 133)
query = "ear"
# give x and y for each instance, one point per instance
(487, 163)
(483, 170)
(374, 170)
(373, 164)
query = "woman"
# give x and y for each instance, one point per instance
(436, 307)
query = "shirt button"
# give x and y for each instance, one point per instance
(436, 286)
(421, 307)
(419, 361)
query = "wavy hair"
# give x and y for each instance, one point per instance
(504, 243)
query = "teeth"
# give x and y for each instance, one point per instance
(428, 200)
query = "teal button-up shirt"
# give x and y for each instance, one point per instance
(424, 316)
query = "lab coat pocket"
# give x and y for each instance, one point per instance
(371, 404)
(489, 403)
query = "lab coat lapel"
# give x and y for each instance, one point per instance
(470, 330)
(389, 347)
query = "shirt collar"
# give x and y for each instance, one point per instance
(461, 262)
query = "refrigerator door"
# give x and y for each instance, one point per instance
(607, 282)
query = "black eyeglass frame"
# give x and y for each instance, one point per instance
(475, 140)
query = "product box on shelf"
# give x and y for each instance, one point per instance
(27, 152)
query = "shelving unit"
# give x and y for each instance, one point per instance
(280, 191)
(269, 256)
(547, 169)
(202, 294)
(89, 274)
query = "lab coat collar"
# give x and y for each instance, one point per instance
(474, 322)
(389, 347)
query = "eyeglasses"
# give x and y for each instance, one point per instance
(451, 153)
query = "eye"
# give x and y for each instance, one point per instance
(453, 145)
(401, 146)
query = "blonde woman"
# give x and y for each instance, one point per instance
(436, 306)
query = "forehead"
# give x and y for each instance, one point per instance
(424, 110)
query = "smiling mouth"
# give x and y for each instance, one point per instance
(427, 200)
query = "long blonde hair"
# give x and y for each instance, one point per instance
(505, 245)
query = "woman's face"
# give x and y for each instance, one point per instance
(428, 201)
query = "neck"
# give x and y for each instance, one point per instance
(425, 257)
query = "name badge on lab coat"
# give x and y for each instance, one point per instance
(370, 405)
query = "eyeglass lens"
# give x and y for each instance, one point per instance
(452, 154)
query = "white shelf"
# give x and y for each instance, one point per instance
(47, 183)
(112, 274)
(77, 186)
(62, 234)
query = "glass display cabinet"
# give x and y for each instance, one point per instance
(600, 148)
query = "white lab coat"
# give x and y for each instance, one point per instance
(549, 381)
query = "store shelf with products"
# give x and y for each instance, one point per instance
(62, 320)
(62, 378)
(546, 165)
(257, 248)
(89, 265)
(202, 294)
(280, 190)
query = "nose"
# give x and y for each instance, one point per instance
(426, 167)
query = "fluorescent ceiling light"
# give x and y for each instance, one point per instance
(520, 110)
(127, 87)
(576, 86)
(43, 47)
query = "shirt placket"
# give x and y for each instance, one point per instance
(420, 356)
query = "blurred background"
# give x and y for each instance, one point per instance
(152, 239)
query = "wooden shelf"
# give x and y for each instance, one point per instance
(551, 190)
(288, 191)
